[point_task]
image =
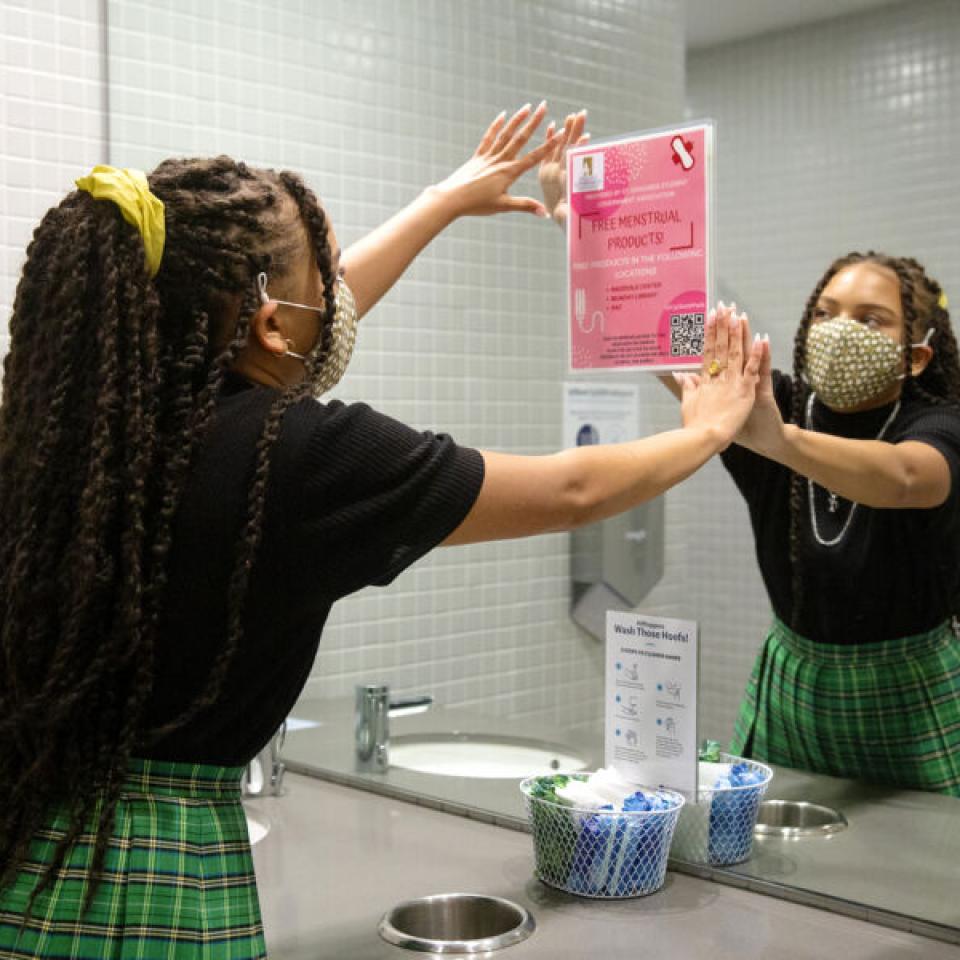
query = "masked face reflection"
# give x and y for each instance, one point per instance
(854, 350)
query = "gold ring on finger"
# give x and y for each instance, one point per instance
(714, 368)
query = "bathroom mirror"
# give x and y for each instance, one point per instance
(834, 135)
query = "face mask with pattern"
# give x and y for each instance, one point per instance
(848, 364)
(343, 335)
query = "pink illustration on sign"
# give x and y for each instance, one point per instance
(682, 152)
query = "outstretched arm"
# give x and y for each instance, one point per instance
(478, 188)
(522, 496)
(907, 475)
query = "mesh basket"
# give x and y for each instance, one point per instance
(718, 828)
(601, 853)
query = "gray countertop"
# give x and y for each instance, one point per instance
(896, 863)
(336, 858)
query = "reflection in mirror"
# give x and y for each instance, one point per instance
(832, 137)
(799, 112)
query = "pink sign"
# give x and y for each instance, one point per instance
(638, 249)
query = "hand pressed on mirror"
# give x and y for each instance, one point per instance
(762, 431)
(724, 390)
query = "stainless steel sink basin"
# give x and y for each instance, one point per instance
(796, 818)
(460, 923)
(482, 755)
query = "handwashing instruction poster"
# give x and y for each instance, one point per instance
(639, 249)
(600, 413)
(651, 700)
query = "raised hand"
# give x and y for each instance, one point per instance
(480, 187)
(553, 167)
(722, 395)
(762, 432)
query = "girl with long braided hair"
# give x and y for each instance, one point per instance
(851, 472)
(178, 514)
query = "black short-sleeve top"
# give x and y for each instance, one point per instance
(894, 573)
(353, 498)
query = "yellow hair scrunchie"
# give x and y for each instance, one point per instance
(943, 303)
(129, 190)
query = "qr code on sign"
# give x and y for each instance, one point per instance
(686, 334)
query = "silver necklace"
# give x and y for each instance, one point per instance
(833, 501)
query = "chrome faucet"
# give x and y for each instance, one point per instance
(264, 774)
(407, 705)
(372, 723)
(372, 728)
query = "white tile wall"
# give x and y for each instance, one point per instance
(51, 114)
(371, 101)
(833, 137)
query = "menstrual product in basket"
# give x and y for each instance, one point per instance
(724, 790)
(615, 856)
(717, 828)
(733, 813)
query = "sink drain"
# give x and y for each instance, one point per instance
(796, 818)
(456, 923)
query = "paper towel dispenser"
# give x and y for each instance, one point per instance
(614, 564)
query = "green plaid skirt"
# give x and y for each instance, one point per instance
(887, 712)
(178, 881)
